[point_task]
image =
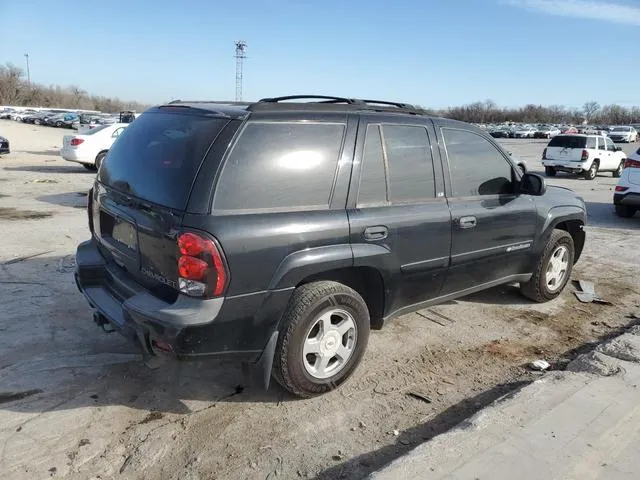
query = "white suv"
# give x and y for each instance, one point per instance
(627, 195)
(584, 155)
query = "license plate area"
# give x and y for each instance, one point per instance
(120, 231)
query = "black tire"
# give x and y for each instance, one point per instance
(550, 171)
(36, 122)
(537, 288)
(625, 211)
(307, 304)
(58, 124)
(617, 173)
(99, 159)
(592, 173)
(89, 167)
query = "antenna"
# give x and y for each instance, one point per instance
(241, 47)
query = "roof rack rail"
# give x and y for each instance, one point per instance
(324, 101)
(320, 98)
(213, 102)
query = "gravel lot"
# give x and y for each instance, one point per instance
(77, 403)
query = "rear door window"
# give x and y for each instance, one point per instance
(373, 182)
(568, 142)
(280, 165)
(409, 163)
(157, 157)
(591, 142)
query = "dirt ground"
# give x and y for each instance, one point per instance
(77, 403)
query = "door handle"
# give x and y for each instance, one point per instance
(379, 232)
(468, 222)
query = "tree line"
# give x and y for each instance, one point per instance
(17, 91)
(595, 114)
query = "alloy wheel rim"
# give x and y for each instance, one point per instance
(557, 268)
(329, 343)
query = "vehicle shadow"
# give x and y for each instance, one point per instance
(603, 215)
(68, 168)
(47, 153)
(66, 355)
(70, 199)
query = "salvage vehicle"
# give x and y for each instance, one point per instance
(281, 232)
(584, 155)
(626, 198)
(91, 147)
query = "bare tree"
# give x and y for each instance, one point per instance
(590, 109)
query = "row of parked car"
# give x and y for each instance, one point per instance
(618, 133)
(66, 119)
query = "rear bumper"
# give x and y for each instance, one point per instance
(188, 328)
(73, 155)
(566, 166)
(629, 199)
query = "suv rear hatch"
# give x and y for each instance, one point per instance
(566, 148)
(142, 190)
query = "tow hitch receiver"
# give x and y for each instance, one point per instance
(102, 323)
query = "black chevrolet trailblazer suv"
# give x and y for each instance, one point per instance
(279, 233)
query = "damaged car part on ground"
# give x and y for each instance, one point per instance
(280, 233)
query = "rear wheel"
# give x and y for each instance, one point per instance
(550, 171)
(89, 167)
(99, 160)
(618, 171)
(625, 211)
(553, 269)
(592, 172)
(325, 334)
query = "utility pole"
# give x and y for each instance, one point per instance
(26, 55)
(241, 47)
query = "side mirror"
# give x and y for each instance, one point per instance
(533, 184)
(617, 149)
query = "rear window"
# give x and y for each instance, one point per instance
(568, 142)
(280, 165)
(96, 129)
(156, 158)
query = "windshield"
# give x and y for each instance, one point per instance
(620, 129)
(157, 157)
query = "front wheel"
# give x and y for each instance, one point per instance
(553, 269)
(625, 211)
(592, 172)
(325, 334)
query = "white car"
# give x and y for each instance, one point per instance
(584, 155)
(626, 197)
(90, 147)
(524, 131)
(623, 134)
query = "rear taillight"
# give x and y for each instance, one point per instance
(201, 267)
(90, 209)
(585, 155)
(544, 154)
(628, 163)
(76, 141)
(621, 189)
